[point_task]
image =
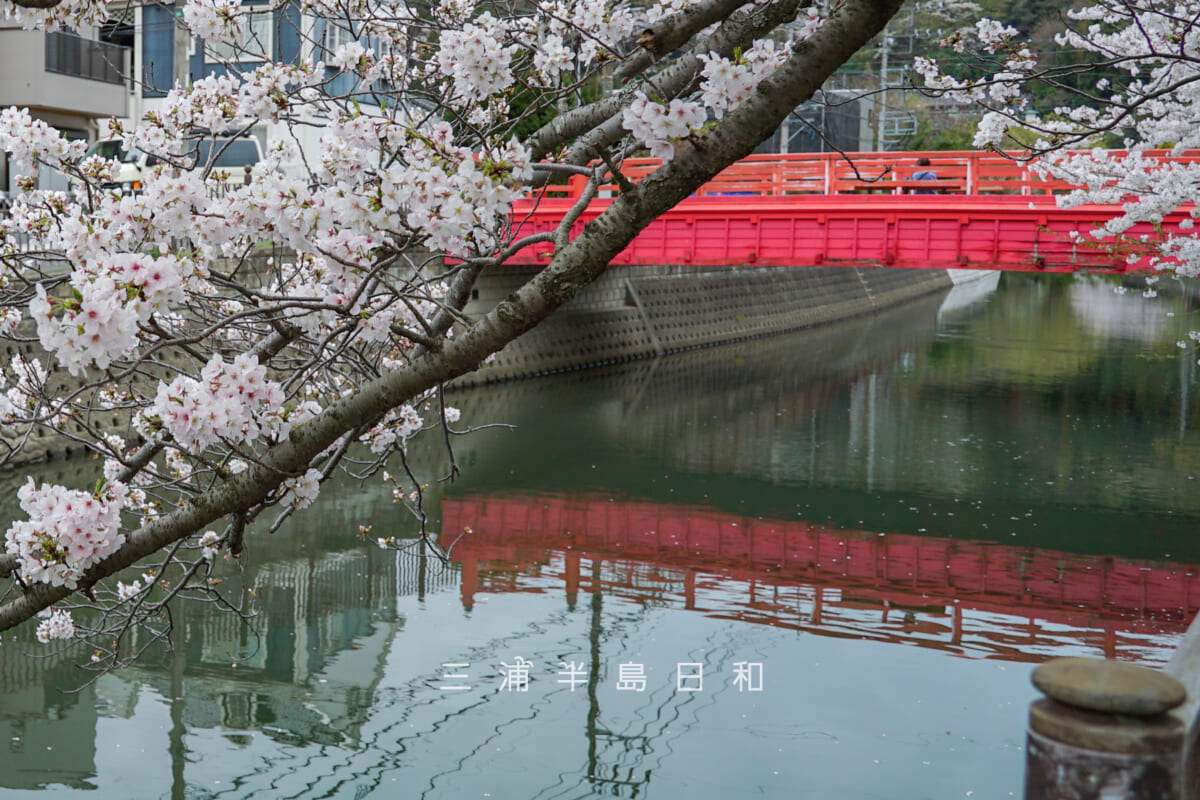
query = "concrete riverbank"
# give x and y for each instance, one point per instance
(638, 311)
(629, 313)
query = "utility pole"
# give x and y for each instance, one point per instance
(881, 115)
(180, 71)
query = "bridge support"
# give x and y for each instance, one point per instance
(1104, 732)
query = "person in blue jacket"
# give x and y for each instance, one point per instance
(924, 175)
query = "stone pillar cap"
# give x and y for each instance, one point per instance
(1110, 687)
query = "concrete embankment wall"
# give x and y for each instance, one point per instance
(40, 444)
(630, 312)
(640, 311)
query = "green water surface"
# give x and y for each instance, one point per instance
(1047, 423)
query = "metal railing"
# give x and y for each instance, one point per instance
(68, 54)
(958, 172)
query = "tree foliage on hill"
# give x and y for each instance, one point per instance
(925, 29)
(1136, 87)
(1038, 22)
(1027, 16)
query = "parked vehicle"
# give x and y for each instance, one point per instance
(231, 157)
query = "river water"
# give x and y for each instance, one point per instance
(817, 565)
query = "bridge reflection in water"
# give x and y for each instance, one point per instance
(325, 676)
(971, 598)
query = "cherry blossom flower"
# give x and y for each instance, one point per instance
(67, 531)
(302, 491)
(210, 546)
(58, 625)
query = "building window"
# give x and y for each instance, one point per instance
(337, 34)
(254, 44)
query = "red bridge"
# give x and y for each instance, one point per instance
(988, 211)
(1019, 599)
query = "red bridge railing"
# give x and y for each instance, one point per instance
(801, 210)
(969, 172)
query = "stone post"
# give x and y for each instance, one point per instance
(1103, 732)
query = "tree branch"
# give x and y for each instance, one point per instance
(673, 32)
(573, 267)
(737, 31)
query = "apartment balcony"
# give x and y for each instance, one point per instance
(62, 74)
(68, 54)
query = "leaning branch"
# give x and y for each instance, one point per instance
(603, 118)
(574, 267)
(741, 30)
(674, 32)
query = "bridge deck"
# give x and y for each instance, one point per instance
(814, 209)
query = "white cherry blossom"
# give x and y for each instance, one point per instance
(224, 326)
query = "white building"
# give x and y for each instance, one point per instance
(73, 81)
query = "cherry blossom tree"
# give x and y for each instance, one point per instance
(245, 383)
(1143, 94)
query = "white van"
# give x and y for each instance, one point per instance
(234, 157)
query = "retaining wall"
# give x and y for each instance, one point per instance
(630, 312)
(639, 311)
